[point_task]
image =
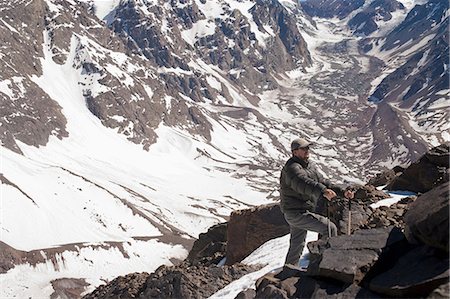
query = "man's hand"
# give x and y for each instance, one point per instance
(349, 194)
(329, 194)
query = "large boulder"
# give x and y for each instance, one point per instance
(415, 274)
(348, 258)
(248, 229)
(428, 172)
(427, 220)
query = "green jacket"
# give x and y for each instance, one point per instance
(301, 186)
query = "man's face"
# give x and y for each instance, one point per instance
(302, 153)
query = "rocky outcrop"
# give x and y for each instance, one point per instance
(427, 220)
(210, 247)
(429, 171)
(249, 229)
(385, 177)
(415, 274)
(182, 281)
(392, 215)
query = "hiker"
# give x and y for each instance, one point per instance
(301, 188)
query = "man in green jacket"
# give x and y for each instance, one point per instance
(301, 188)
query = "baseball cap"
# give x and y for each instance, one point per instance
(299, 143)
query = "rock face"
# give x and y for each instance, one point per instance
(429, 171)
(428, 218)
(249, 229)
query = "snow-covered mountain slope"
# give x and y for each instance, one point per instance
(120, 144)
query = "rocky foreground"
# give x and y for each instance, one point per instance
(397, 251)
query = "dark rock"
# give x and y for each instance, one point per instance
(389, 216)
(182, 281)
(369, 194)
(429, 171)
(271, 292)
(310, 287)
(289, 271)
(247, 294)
(249, 229)
(123, 287)
(294, 283)
(339, 214)
(427, 220)
(210, 246)
(386, 176)
(415, 274)
(348, 258)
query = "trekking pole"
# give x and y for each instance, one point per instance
(349, 228)
(328, 214)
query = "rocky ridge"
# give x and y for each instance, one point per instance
(393, 253)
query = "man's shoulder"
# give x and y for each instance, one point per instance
(292, 164)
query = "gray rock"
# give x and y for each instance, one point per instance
(428, 172)
(348, 258)
(415, 274)
(427, 220)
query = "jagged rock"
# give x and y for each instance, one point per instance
(210, 247)
(292, 282)
(386, 176)
(429, 171)
(369, 194)
(123, 287)
(192, 281)
(427, 220)
(182, 281)
(249, 229)
(348, 258)
(389, 216)
(415, 274)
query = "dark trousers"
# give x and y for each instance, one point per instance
(299, 223)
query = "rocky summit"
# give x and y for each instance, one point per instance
(401, 253)
(141, 135)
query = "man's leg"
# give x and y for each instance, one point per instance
(296, 244)
(299, 224)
